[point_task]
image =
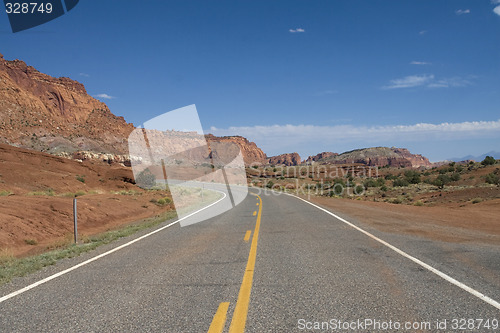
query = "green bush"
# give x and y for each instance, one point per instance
(270, 184)
(390, 176)
(492, 178)
(380, 181)
(339, 181)
(359, 189)
(441, 181)
(145, 179)
(455, 177)
(370, 182)
(488, 160)
(412, 176)
(400, 183)
(396, 201)
(80, 178)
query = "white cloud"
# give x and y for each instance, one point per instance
(462, 11)
(420, 63)
(296, 30)
(495, 2)
(427, 80)
(286, 137)
(105, 96)
(326, 92)
(422, 32)
(84, 74)
(496, 10)
(450, 82)
(410, 81)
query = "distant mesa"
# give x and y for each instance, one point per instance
(285, 159)
(378, 156)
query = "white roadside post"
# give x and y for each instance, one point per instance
(75, 221)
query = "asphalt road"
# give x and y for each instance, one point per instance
(301, 269)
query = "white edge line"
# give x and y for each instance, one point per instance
(47, 279)
(415, 260)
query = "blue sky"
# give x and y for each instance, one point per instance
(305, 76)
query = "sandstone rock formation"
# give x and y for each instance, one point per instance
(285, 159)
(378, 156)
(55, 115)
(252, 155)
(320, 156)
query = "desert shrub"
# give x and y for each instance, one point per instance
(443, 171)
(383, 188)
(488, 160)
(400, 183)
(270, 184)
(145, 179)
(455, 177)
(412, 176)
(492, 178)
(274, 169)
(5, 193)
(48, 192)
(370, 182)
(359, 189)
(459, 168)
(339, 181)
(427, 173)
(80, 178)
(30, 241)
(163, 201)
(476, 200)
(255, 167)
(79, 193)
(441, 181)
(390, 176)
(419, 203)
(395, 201)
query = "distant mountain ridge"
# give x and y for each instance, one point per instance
(479, 158)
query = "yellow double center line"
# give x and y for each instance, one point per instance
(241, 310)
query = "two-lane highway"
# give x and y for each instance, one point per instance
(274, 263)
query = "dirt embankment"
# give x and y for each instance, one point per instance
(36, 198)
(454, 222)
